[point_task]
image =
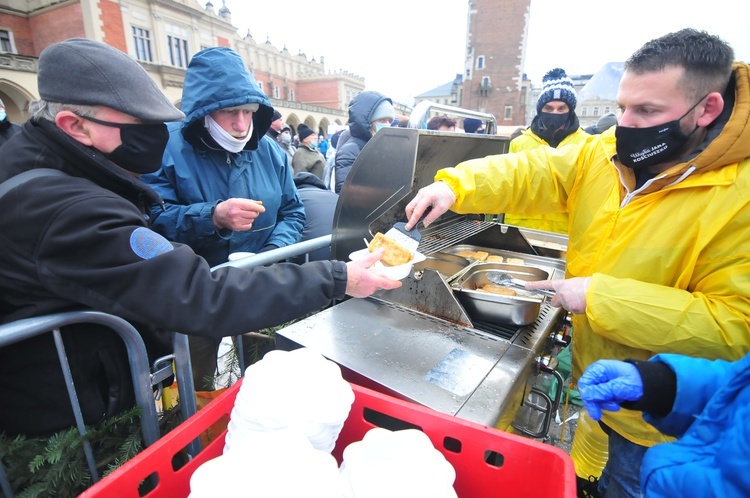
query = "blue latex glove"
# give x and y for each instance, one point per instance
(607, 383)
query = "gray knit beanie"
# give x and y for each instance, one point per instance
(86, 72)
(383, 110)
(556, 85)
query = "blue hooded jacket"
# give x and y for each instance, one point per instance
(710, 416)
(197, 173)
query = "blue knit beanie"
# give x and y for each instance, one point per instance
(556, 85)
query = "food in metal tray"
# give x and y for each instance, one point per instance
(498, 289)
(395, 254)
(493, 258)
(514, 261)
(477, 255)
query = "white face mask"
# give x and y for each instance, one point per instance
(224, 139)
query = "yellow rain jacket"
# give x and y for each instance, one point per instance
(551, 222)
(670, 262)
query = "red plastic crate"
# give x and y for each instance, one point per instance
(488, 462)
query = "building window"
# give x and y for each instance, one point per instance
(277, 92)
(584, 111)
(291, 95)
(6, 41)
(142, 44)
(607, 109)
(596, 111)
(480, 62)
(508, 112)
(178, 51)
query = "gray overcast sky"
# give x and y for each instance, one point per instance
(406, 47)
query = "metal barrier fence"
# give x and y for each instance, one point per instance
(144, 379)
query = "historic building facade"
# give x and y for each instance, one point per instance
(162, 35)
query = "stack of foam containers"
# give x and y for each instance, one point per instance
(396, 464)
(284, 424)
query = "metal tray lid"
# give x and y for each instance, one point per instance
(388, 172)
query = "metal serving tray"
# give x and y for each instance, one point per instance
(542, 262)
(448, 265)
(521, 309)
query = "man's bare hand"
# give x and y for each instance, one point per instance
(362, 280)
(437, 196)
(237, 214)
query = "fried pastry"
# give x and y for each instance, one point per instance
(395, 253)
(498, 289)
(481, 255)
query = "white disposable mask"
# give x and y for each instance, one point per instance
(224, 139)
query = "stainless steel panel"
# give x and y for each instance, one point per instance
(426, 360)
(427, 292)
(389, 170)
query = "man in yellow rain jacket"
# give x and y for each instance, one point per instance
(659, 254)
(555, 125)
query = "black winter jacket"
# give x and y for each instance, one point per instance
(83, 242)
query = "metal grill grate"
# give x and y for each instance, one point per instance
(504, 331)
(449, 235)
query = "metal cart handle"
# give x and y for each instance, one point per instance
(421, 114)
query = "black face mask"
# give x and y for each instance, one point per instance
(552, 122)
(142, 146)
(640, 148)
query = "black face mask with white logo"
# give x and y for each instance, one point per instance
(142, 145)
(640, 148)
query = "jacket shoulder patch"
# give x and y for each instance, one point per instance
(148, 244)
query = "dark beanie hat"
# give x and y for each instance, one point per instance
(304, 131)
(276, 115)
(556, 85)
(80, 71)
(471, 125)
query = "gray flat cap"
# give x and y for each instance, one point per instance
(87, 72)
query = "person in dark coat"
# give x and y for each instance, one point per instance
(77, 237)
(320, 205)
(307, 157)
(277, 124)
(368, 112)
(7, 129)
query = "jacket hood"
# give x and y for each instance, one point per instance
(361, 109)
(729, 135)
(304, 179)
(217, 78)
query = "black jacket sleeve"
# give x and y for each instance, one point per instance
(659, 388)
(99, 253)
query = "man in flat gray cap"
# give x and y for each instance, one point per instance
(75, 235)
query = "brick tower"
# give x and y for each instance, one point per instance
(495, 48)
